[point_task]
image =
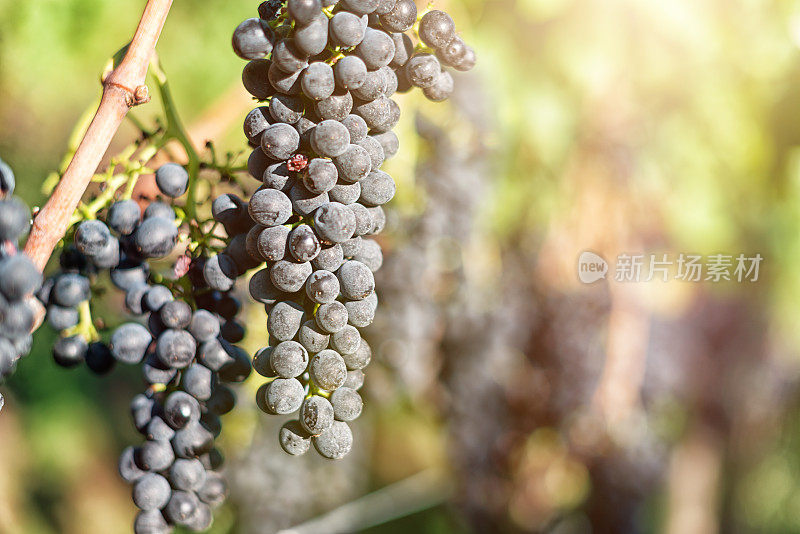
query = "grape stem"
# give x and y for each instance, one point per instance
(123, 88)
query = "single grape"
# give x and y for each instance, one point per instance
(312, 337)
(176, 348)
(334, 222)
(222, 401)
(303, 243)
(220, 272)
(192, 441)
(99, 359)
(187, 474)
(355, 379)
(355, 163)
(401, 18)
(253, 39)
(294, 439)
(61, 318)
(336, 107)
(403, 49)
(270, 207)
(374, 86)
(363, 218)
(285, 108)
(360, 358)
(320, 176)
(129, 343)
(350, 72)
(389, 142)
(198, 381)
(312, 38)
(90, 238)
(378, 219)
(70, 351)
(436, 28)
(322, 287)
(316, 415)
(176, 314)
(214, 490)
(346, 341)
(155, 455)
(441, 89)
(304, 202)
(329, 258)
(181, 507)
(156, 297)
(123, 216)
(370, 254)
(180, 409)
(422, 70)
(128, 470)
(213, 355)
(360, 7)
(204, 326)
(356, 280)
(157, 429)
(377, 189)
(345, 193)
(255, 78)
(361, 313)
(284, 320)
(172, 179)
(20, 277)
(304, 11)
(272, 242)
(346, 29)
(356, 127)
(287, 83)
(155, 237)
(453, 52)
(375, 151)
(347, 404)
(151, 492)
(334, 442)
(263, 290)
(261, 362)
(280, 141)
(288, 58)
(327, 369)
(332, 317)
(467, 61)
(289, 276)
(284, 396)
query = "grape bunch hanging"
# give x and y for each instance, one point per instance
(326, 74)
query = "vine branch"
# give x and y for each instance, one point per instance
(123, 88)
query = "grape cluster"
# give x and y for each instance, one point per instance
(327, 75)
(121, 245)
(188, 358)
(19, 279)
(174, 472)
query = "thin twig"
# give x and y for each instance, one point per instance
(123, 88)
(414, 494)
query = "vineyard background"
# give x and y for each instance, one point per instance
(528, 401)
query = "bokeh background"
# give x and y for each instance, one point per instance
(505, 395)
